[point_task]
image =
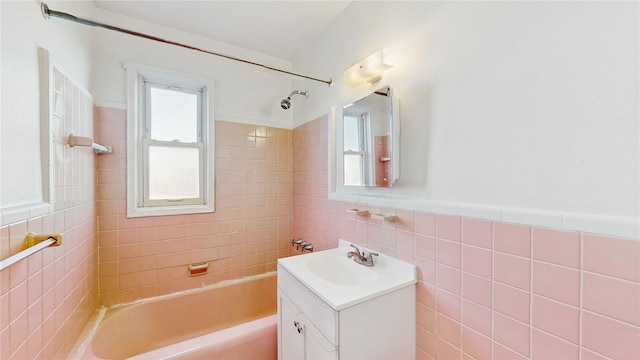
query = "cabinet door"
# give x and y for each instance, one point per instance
(299, 338)
(316, 346)
(291, 331)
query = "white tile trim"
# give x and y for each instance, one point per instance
(627, 227)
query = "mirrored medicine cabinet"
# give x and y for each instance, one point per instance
(371, 134)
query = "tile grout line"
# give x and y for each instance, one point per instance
(461, 284)
(580, 299)
(493, 276)
(531, 292)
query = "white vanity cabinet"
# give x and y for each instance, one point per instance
(379, 327)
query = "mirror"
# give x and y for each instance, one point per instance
(371, 131)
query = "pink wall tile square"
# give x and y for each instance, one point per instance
(18, 273)
(477, 289)
(388, 236)
(18, 300)
(448, 253)
(128, 251)
(511, 333)
(448, 329)
(555, 282)
(18, 331)
(108, 269)
(34, 288)
(426, 270)
(610, 337)
(108, 253)
(34, 343)
(426, 317)
(501, 352)
(448, 304)
(426, 247)
(448, 278)
(477, 261)
(475, 344)
(549, 347)
(589, 355)
(421, 355)
(426, 341)
(425, 224)
(477, 232)
(4, 343)
(512, 239)
(477, 317)
(448, 227)
(4, 311)
(556, 318)
(612, 256)
(426, 294)
(447, 351)
(512, 302)
(512, 270)
(406, 242)
(405, 220)
(619, 299)
(35, 315)
(558, 247)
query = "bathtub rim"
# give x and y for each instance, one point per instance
(87, 335)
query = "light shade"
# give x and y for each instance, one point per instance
(371, 69)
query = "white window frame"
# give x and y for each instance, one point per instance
(138, 203)
(364, 135)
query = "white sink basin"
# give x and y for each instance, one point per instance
(340, 270)
(341, 282)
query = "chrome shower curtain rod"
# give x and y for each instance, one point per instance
(48, 13)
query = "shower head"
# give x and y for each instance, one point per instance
(286, 103)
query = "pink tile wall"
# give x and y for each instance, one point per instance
(47, 298)
(487, 290)
(144, 257)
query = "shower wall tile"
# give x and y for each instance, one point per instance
(47, 298)
(546, 346)
(486, 289)
(248, 232)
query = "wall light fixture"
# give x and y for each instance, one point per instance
(371, 69)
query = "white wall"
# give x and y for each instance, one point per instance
(244, 93)
(530, 106)
(23, 30)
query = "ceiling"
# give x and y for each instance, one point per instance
(276, 28)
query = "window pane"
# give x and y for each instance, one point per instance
(174, 115)
(174, 173)
(353, 169)
(352, 134)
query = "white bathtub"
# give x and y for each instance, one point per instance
(229, 321)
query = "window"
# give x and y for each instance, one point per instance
(169, 143)
(355, 149)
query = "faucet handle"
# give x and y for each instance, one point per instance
(371, 255)
(355, 247)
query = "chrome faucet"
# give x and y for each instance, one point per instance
(360, 258)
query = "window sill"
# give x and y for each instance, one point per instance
(169, 210)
